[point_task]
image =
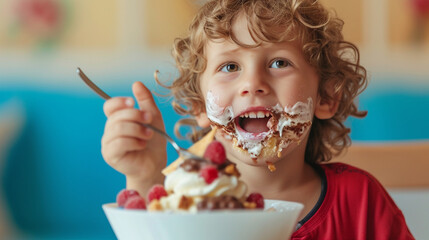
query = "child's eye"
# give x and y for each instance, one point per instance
(230, 67)
(279, 63)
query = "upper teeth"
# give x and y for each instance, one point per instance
(258, 114)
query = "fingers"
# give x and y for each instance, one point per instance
(123, 133)
(147, 103)
(118, 147)
(144, 97)
(130, 115)
(126, 123)
(127, 129)
(117, 103)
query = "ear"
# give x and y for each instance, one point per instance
(202, 120)
(328, 106)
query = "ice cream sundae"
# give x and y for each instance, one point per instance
(197, 185)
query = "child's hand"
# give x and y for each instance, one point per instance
(136, 151)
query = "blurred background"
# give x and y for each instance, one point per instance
(53, 179)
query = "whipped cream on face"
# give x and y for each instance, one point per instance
(216, 113)
(253, 145)
(291, 125)
(297, 116)
(301, 112)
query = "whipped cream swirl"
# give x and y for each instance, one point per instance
(192, 185)
(182, 183)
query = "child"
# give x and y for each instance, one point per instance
(277, 80)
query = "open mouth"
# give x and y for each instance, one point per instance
(255, 122)
(263, 130)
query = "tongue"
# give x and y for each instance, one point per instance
(254, 125)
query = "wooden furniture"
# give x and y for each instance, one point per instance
(395, 165)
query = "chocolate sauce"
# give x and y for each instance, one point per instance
(220, 203)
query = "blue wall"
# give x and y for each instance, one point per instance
(398, 109)
(55, 179)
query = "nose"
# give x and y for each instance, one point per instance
(255, 84)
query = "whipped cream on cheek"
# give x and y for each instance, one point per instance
(294, 116)
(294, 122)
(216, 113)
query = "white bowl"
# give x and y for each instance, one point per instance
(235, 225)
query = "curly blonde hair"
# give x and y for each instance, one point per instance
(320, 34)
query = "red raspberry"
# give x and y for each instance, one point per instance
(123, 196)
(135, 202)
(156, 192)
(215, 152)
(209, 173)
(256, 198)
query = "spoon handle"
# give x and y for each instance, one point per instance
(169, 139)
(181, 151)
(90, 84)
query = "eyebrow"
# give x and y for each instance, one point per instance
(222, 56)
(227, 51)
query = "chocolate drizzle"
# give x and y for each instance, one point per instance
(193, 165)
(219, 203)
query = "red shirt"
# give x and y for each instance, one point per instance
(356, 206)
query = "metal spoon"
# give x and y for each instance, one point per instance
(181, 151)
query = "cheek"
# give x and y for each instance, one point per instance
(222, 90)
(213, 105)
(219, 95)
(217, 109)
(302, 110)
(290, 95)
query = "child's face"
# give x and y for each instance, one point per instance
(241, 80)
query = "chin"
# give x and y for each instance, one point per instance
(268, 156)
(269, 149)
